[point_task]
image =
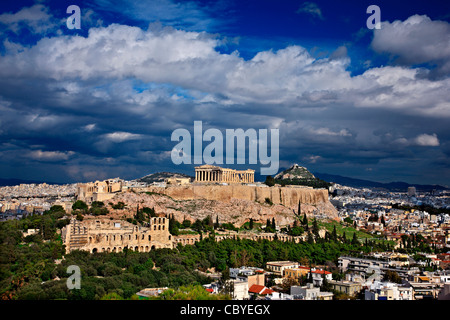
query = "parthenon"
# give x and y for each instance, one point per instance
(209, 173)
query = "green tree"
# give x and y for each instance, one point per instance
(310, 238)
(355, 241)
(270, 181)
(216, 224)
(80, 205)
(315, 229)
(334, 236)
(139, 216)
(186, 223)
(344, 238)
(305, 222)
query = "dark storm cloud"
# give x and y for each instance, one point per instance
(105, 104)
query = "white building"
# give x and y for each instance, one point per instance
(388, 291)
(309, 292)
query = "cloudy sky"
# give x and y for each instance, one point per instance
(102, 101)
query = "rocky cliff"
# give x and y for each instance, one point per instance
(232, 203)
(228, 209)
(286, 196)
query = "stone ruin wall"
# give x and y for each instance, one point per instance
(287, 196)
(104, 235)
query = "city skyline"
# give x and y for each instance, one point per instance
(102, 101)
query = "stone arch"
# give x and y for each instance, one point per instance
(153, 247)
(94, 250)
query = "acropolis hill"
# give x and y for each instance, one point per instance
(236, 200)
(286, 196)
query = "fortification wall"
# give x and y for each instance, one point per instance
(287, 196)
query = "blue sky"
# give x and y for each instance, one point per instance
(102, 101)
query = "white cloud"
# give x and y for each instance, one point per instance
(423, 140)
(311, 8)
(35, 18)
(311, 159)
(50, 155)
(189, 60)
(416, 40)
(328, 132)
(427, 140)
(121, 136)
(89, 127)
(186, 14)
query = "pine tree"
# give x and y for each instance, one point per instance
(344, 238)
(355, 239)
(315, 228)
(216, 225)
(334, 236)
(305, 222)
(310, 238)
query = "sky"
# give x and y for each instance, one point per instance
(102, 101)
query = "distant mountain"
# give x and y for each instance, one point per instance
(295, 172)
(161, 176)
(391, 186)
(15, 182)
(298, 175)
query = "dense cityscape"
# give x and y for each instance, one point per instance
(391, 247)
(224, 158)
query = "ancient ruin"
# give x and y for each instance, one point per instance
(99, 190)
(214, 174)
(105, 235)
